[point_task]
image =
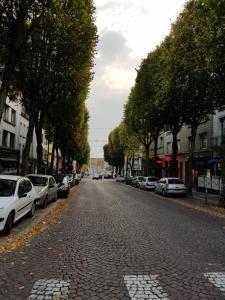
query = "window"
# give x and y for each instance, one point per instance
(203, 141)
(6, 113)
(22, 188)
(51, 181)
(13, 117)
(161, 142)
(5, 138)
(28, 186)
(7, 187)
(169, 147)
(222, 121)
(12, 141)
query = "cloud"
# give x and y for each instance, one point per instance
(128, 30)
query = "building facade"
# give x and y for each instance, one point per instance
(13, 130)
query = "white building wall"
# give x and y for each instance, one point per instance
(217, 127)
(19, 129)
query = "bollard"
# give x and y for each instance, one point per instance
(206, 197)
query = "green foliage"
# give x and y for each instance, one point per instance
(54, 72)
(114, 150)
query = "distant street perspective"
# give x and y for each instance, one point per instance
(114, 241)
(112, 149)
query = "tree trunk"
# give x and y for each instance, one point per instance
(174, 169)
(57, 160)
(155, 170)
(155, 148)
(26, 150)
(147, 159)
(38, 130)
(3, 96)
(52, 159)
(47, 158)
(191, 156)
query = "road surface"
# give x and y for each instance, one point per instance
(117, 242)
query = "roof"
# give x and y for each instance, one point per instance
(170, 178)
(10, 177)
(39, 175)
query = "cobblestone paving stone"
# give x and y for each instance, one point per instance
(50, 289)
(109, 231)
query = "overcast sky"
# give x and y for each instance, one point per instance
(128, 30)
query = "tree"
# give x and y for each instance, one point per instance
(17, 21)
(56, 68)
(114, 150)
(172, 104)
(192, 77)
(142, 111)
(210, 38)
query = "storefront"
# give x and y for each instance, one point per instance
(167, 166)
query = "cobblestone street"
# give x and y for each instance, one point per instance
(117, 242)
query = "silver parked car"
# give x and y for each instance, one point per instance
(46, 188)
(149, 183)
(120, 178)
(170, 185)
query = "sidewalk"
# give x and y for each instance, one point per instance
(205, 198)
(206, 203)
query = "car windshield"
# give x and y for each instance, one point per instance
(7, 187)
(141, 178)
(59, 178)
(175, 181)
(38, 180)
(152, 179)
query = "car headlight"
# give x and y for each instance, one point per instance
(41, 194)
(63, 187)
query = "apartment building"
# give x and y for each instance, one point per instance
(203, 155)
(13, 130)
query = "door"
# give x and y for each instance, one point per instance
(22, 200)
(52, 188)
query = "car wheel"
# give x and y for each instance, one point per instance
(55, 198)
(32, 210)
(45, 202)
(8, 224)
(163, 193)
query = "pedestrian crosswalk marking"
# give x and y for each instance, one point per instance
(217, 279)
(144, 287)
(52, 289)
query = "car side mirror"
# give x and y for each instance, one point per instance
(23, 195)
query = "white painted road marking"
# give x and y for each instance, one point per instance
(51, 289)
(218, 279)
(143, 287)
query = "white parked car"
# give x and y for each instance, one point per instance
(170, 185)
(17, 198)
(46, 188)
(95, 176)
(148, 184)
(120, 178)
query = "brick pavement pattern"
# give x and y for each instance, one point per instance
(110, 231)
